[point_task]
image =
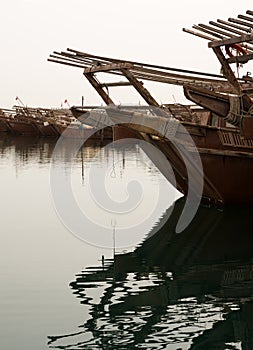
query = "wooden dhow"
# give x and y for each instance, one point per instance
(46, 122)
(221, 121)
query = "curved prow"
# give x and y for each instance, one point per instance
(229, 107)
(214, 102)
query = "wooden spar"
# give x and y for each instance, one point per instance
(152, 74)
(85, 54)
(221, 87)
(226, 30)
(105, 97)
(231, 41)
(162, 76)
(109, 60)
(230, 28)
(249, 12)
(68, 60)
(66, 55)
(66, 63)
(198, 34)
(226, 69)
(242, 28)
(108, 67)
(247, 18)
(226, 27)
(238, 21)
(89, 64)
(139, 67)
(208, 32)
(157, 73)
(120, 83)
(140, 88)
(219, 33)
(203, 28)
(214, 30)
(179, 81)
(240, 59)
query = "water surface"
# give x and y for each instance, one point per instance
(39, 256)
(192, 290)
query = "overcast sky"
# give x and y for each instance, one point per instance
(140, 30)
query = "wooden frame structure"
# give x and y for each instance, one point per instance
(233, 33)
(220, 34)
(223, 128)
(135, 73)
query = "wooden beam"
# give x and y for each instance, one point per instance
(218, 36)
(120, 83)
(71, 60)
(238, 21)
(234, 40)
(233, 28)
(97, 86)
(230, 24)
(249, 12)
(158, 74)
(86, 61)
(207, 37)
(227, 28)
(109, 60)
(240, 59)
(108, 67)
(140, 88)
(215, 30)
(247, 18)
(218, 86)
(228, 73)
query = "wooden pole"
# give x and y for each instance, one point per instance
(228, 73)
(214, 30)
(247, 18)
(229, 29)
(95, 83)
(140, 88)
(144, 64)
(244, 29)
(238, 21)
(207, 37)
(208, 32)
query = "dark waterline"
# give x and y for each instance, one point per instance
(172, 291)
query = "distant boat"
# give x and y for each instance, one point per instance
(48, 123)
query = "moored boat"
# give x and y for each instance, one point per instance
(220, 124)
(35, 121)
(6, 115)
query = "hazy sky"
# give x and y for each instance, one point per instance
(142, 30)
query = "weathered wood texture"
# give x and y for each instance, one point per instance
(227, 70)
(231, 41)
(219, 33)
(105, 97)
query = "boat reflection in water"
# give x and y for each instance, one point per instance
(192, 290)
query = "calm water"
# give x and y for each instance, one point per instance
(161, 290)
